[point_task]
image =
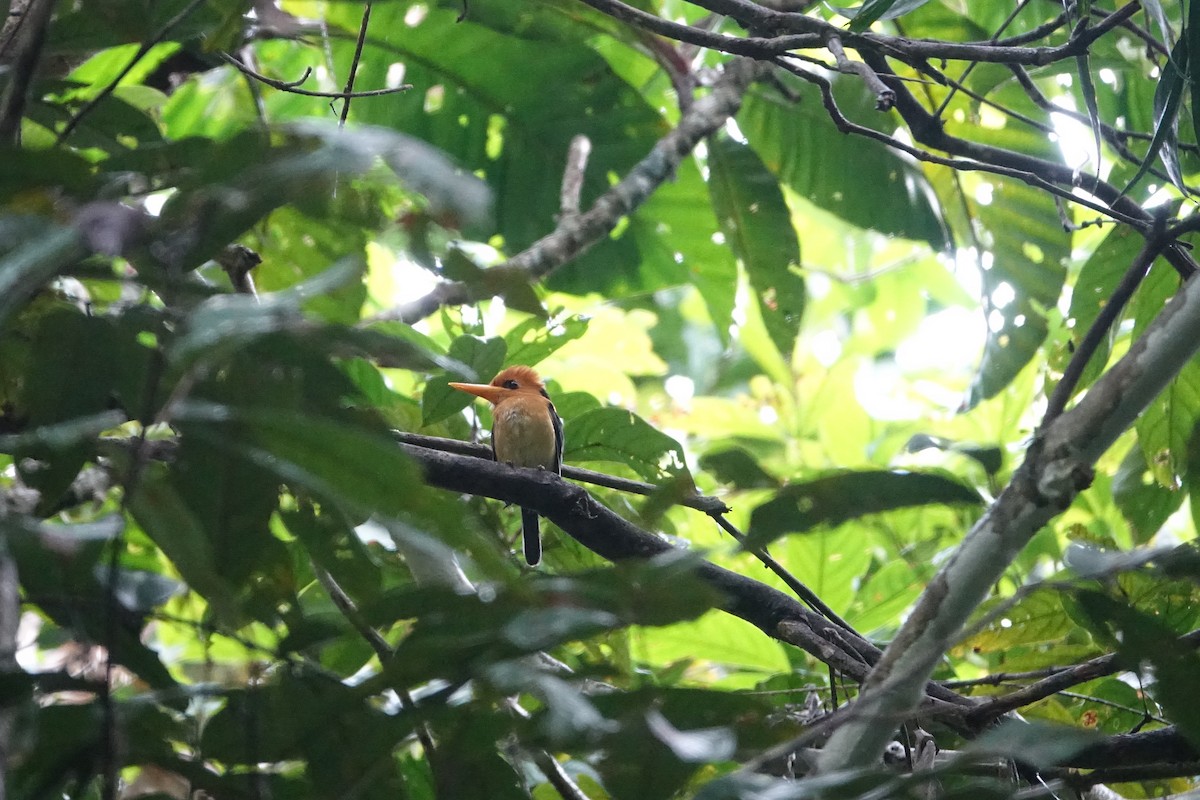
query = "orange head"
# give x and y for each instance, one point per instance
(509, 381)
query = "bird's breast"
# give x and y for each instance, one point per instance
(523, 434)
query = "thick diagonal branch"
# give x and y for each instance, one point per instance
(1057, 467)
(611, 536)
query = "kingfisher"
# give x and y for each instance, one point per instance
(526, 432)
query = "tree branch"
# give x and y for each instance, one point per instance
(611, 536)
(1057, 467)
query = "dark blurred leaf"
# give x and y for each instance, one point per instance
(26, 170)
(311, 718)
(696, 746)
(351, 465)
(614, 434)
(513, 286)
(73, 381)
(1142, 637)
(227, 323)
(758, 226)
(1035, 743)
(990, 458)
(834, 499)
(32, 251)
(456, 198)
(61, 568)
(736, 466)
(164, 513)
(456, 635)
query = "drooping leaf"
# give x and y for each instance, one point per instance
(834, 499)
(758, 227)
(1166, 428)
(1168, 96)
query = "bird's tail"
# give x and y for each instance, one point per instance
(533, 536)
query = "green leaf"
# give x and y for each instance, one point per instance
(614, 434)
(533, 340)
(738, 467)
(72, 383)
(1097, 279)
(1022, 282)
(758, 226)
(483, 357)
(1035, 743)
(32, 251)
(1166, 428)
(350, 465)
(167, 517)
(1143, 501)
(841, 497)
(1142, 637)
(872, 10)
(828, 170)
(1167, 97)
(226, 323)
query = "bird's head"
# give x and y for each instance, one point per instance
(509, 381)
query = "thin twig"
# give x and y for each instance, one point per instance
(941, 109)
(348, 93)
(145, 48)
(803, 592)
(1072, 676)
(1110, 312)
(383, 651)
(885, 97)
(292, 87)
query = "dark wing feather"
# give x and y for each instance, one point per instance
(558, 437)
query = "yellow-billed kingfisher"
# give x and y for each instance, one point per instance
(526, 432)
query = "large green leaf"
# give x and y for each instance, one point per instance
(1023, 269)
(1097, 279)
(1166, 428)
(798, 142)
(758, 227)
(614, 434)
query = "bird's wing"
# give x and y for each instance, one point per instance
(558, 437)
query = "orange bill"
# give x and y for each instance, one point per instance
(485, 390)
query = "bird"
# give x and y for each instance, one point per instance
(526, 432)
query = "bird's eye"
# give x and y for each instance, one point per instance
(510, 384)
